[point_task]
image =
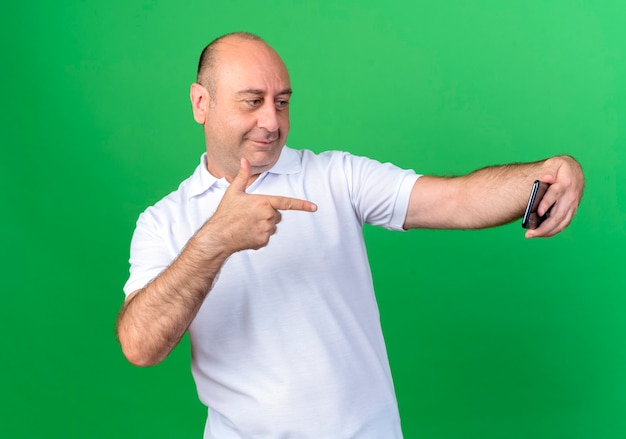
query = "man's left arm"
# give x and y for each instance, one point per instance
(497, 195)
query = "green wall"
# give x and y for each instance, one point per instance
(490, 336)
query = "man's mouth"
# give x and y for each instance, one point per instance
(264, 142)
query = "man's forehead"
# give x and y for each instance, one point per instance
(254, 74)
(246, 79)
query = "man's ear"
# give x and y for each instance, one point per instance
(200, 98)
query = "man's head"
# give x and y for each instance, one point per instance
(242, 98)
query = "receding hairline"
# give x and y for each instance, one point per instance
(208, 57)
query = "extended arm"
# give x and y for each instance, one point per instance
(497, 195)
(154, 318)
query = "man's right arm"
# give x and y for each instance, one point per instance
(153, 319)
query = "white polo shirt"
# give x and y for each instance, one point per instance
(288, 343)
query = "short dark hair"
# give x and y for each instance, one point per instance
(206, 64)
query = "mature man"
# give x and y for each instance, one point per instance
(284, 326)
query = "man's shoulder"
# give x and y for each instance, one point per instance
(326, 157)
(338, 159)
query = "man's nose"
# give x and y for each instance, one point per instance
(268, 118)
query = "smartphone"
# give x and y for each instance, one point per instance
(531, 219)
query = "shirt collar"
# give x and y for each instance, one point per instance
(202, 180)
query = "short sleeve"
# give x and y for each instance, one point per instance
(380, 192)
(149, 255)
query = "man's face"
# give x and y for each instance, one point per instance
(248, 116)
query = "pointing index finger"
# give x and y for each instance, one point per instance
(288, 203)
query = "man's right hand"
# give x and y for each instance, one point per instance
(246, 221)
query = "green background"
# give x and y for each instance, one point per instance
(489, 335)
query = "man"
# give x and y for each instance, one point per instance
(284, 326)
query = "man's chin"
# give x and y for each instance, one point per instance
(263, 159)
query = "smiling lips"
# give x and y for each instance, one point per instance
(266, 141)
(263, 142)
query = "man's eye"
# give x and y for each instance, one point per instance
(254, 102)
(282, 103)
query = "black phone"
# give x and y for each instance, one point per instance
(531, 219)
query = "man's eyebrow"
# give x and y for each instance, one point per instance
(257, 91)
